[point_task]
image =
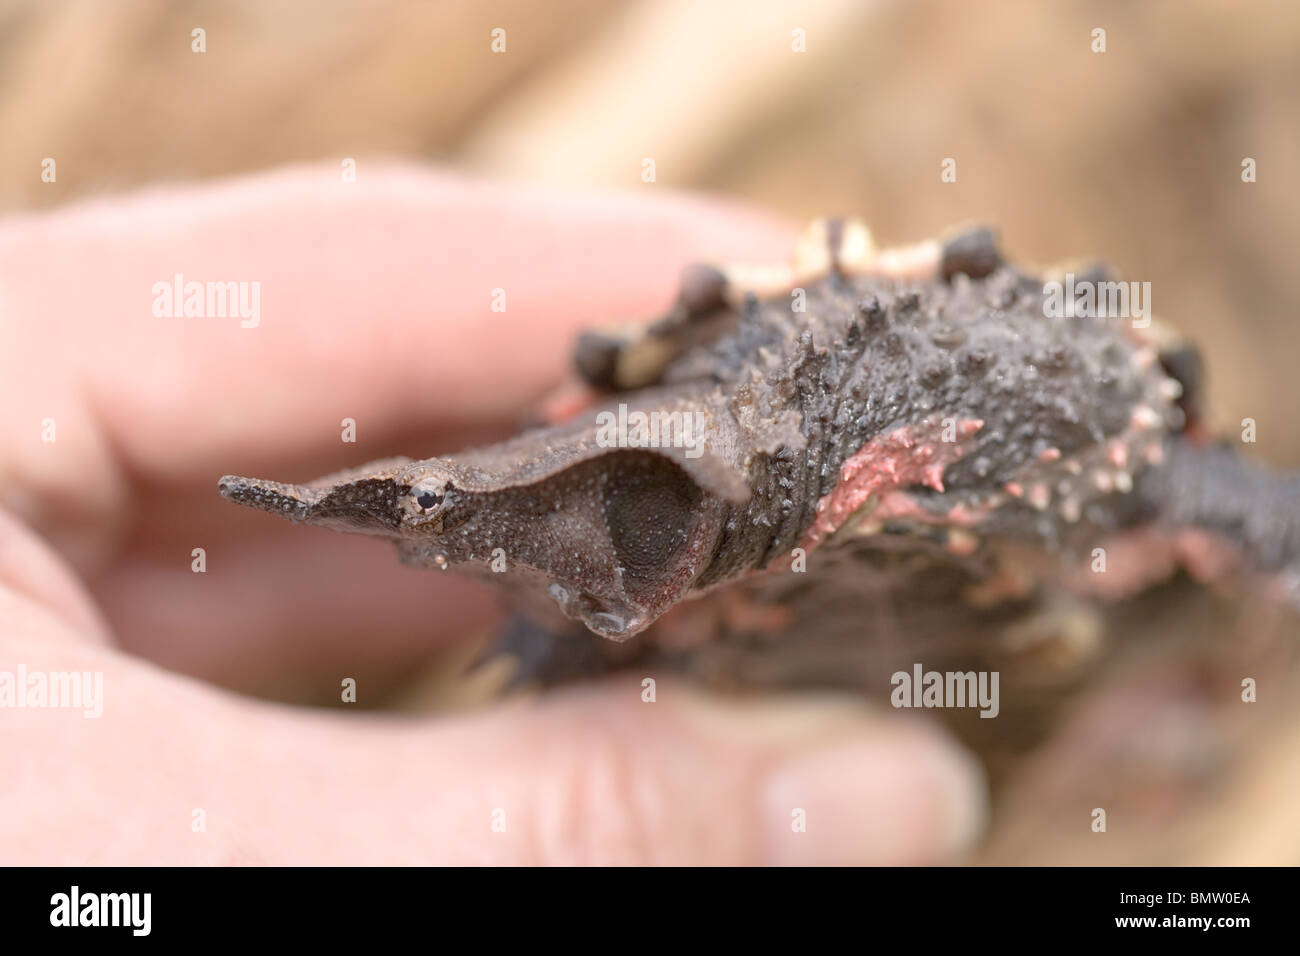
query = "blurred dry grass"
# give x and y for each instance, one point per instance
(1133, 155)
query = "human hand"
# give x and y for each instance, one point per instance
(375, 306)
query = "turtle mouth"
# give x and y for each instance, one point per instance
(614, 620)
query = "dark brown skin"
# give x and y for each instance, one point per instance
(939, 441)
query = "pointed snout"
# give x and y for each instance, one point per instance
(363, 506)
(289, 501)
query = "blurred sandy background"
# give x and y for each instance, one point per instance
(1133, 155)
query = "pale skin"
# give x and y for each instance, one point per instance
(375, 305)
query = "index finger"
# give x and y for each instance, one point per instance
(405, 299)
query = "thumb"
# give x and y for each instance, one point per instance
(600, 776)
(594, 775)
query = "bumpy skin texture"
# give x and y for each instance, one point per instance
(937, 443)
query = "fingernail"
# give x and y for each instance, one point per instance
(906, 797)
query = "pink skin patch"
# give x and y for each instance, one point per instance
(1138, 559)
(902, 504)
(911, 455)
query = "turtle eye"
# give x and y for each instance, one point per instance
(427, 499)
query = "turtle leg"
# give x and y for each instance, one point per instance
(545, 656)
(1225, 514)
